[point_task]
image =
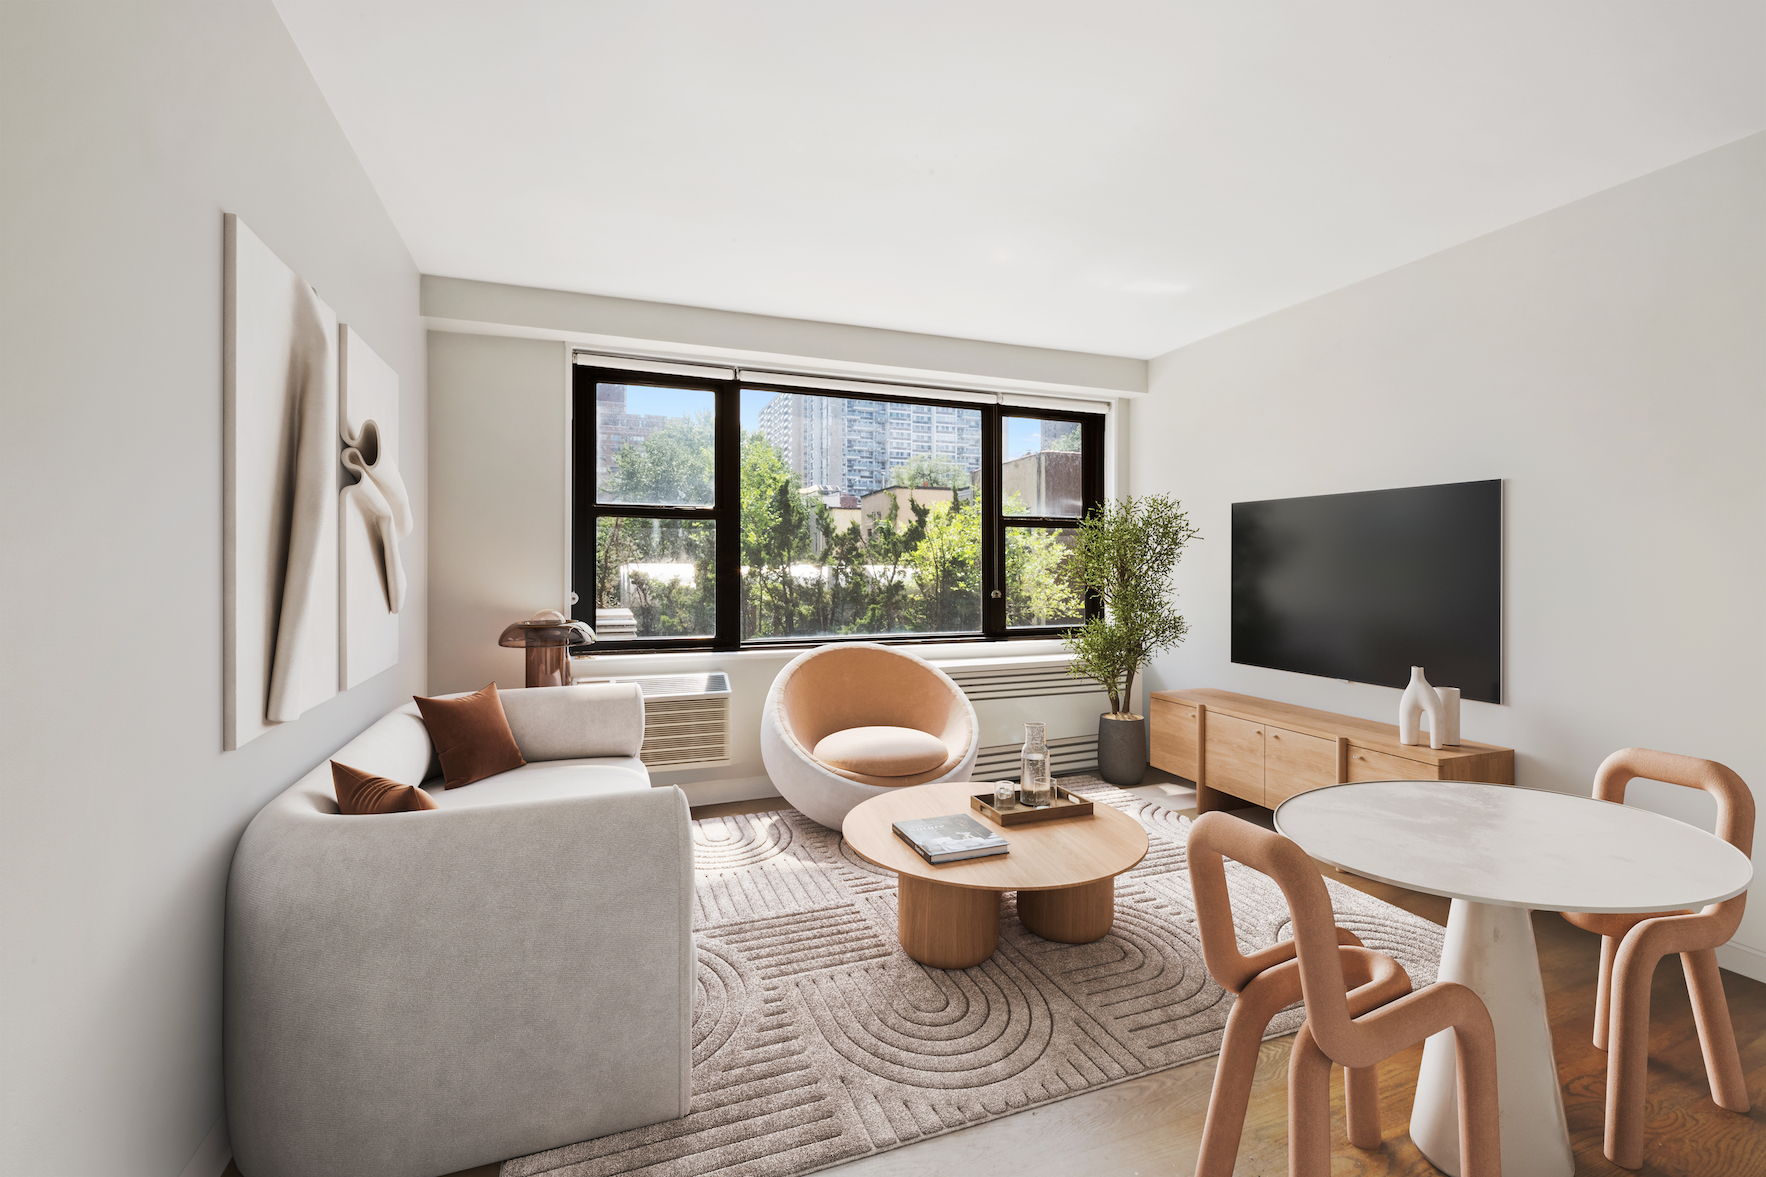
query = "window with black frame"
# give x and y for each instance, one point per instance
(717, 513)
(1043, 496)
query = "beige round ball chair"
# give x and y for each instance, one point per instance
(847, 722)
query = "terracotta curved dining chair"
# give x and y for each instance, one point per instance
(1632, 945)
(1354, 1027)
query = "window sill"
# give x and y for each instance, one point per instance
(609, 660)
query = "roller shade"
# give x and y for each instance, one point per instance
(815, 381)
(942, 392)
(629, 363)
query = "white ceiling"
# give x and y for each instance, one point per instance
(1110, 177)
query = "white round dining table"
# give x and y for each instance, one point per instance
(1499, 852)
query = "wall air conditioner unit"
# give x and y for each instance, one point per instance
(1007, 693)
(686, 718)
(615, 625)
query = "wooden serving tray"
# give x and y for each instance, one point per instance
(1065, 804)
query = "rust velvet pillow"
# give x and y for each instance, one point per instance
(471, 736)
(360, 792)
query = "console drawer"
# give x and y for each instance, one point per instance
(1365, 764)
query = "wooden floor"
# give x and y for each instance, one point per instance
(1153, 1125)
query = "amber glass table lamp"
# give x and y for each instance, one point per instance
(547, 637)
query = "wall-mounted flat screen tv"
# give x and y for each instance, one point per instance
(1364, 586)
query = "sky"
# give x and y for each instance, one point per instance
(678, 402)
(1023, 436)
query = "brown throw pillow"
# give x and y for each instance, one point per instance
(471, 735)
(360, 792)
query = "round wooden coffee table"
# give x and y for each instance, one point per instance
(1063, 871)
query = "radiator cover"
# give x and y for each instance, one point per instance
(1007, 693)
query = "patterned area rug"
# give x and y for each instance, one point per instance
(817, 1041)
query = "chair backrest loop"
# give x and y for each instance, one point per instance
(1215, 835)
(1735, 802)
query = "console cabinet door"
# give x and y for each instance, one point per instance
(1177, 746)
(1234, 756)
(1294, 762)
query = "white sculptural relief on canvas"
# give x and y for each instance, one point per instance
(280, 467)
(374, 513)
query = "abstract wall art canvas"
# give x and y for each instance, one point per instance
(280, 486)
(374, 514)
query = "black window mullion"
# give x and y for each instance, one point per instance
(727, 494)
(993, 536)
(1091, 475)
(582, 494)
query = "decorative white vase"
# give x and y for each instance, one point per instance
(1419, 697)
(1449, 717)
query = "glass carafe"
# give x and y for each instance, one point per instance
(1036, 784)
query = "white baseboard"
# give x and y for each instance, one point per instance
(753, 788)
(212, 1155)
(1739, 958)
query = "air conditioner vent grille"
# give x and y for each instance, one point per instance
(686, 719)
(1002, 762)
(1008, 692)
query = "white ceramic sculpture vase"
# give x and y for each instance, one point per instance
(1419, 697)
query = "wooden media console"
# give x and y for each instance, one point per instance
(1263, 752)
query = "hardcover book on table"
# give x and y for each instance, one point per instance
(950, 838)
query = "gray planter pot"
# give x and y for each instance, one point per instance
(1122, 749)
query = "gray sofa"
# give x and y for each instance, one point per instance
(411, 994)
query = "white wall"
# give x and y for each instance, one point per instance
(1608, 360)
(459, 304)
(500, 453)
(128, 130)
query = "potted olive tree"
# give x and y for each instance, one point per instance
(1127, 553)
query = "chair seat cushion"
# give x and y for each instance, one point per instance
(882, 751)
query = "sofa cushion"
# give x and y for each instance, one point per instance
(361, 792)
(882, 751)
(471, 736)
(570, 723)
(552, 779)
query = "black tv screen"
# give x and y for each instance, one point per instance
(1364, 586)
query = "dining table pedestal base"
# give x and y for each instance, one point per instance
(1491, 951)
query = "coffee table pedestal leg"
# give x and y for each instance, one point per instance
(1070, 915)
(947, 927)
(1491, 951)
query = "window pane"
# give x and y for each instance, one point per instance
(655, 578)
(653, 445)
(1041, 588)
(1040, 467)
(858, 517)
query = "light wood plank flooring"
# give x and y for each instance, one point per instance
(1152, 1125)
